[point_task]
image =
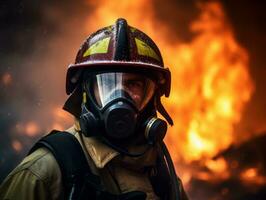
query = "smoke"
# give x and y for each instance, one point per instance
(38, 40)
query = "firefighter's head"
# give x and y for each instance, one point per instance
(120, 73)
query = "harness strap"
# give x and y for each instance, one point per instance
(72, 162)
(78, 181)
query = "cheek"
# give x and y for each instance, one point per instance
(136, 98)
(136, 95)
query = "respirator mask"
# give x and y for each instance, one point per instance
(115, 107)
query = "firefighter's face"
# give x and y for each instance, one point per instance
(134, 86)
(137, 86)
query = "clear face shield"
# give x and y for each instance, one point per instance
(107, 87)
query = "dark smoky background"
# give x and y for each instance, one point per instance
(39, 39)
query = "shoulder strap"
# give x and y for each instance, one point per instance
(78, 181)
(71, 160)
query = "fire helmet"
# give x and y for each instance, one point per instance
(119, 47)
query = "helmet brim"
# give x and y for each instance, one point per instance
(75, 70)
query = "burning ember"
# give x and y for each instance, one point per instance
(30, 129)
(17, 145)
(252, 176)
(7, 79)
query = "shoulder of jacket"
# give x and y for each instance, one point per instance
(41, 163)
(38, 174)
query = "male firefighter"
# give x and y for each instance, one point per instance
(115, 150)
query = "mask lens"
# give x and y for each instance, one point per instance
(109, 86)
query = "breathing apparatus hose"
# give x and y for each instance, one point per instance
(171, 168)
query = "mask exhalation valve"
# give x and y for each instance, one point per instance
(120, 121)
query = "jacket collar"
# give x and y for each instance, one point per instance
(100, 153)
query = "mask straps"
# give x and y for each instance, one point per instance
(162, 110)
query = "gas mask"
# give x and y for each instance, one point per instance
(115, 108)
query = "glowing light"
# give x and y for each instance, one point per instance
(210, 71)
(31, 129)
(7, 79)
(61, 119)
(17, 146)
(224, 106)
(250, 173)
(198, 145)
(57, 126)
(60, 113)
(217, 166)
(252, 176)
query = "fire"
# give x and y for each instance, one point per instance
(252, 176)
(218, 166)
(210, 87)
(210, 78)
(250, 173)
(106, 12)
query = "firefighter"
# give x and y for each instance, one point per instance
(115, 88)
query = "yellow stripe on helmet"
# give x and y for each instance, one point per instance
(145, 50)
(98, 47)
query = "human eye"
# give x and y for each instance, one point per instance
(134, 84)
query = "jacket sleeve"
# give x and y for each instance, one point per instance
(24, 185)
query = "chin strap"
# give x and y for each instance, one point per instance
(162, 111)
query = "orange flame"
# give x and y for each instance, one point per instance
(205, 100)
(252, 176)
(218, 166)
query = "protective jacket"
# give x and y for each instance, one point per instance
(38, 176)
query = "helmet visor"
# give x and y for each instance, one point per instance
(114, 85)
